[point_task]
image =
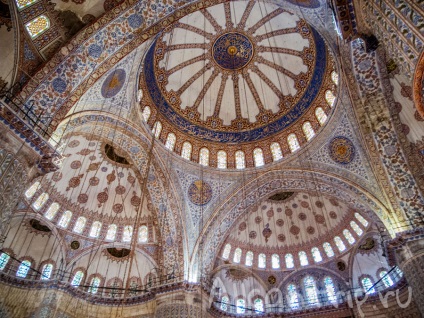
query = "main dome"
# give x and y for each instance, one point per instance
(234, 77)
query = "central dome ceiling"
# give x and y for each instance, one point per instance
(237, 74)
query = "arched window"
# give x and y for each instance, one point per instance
(259, 304)
(170, 141)
(335, 77)
(204, 157)
(146, 113)
(348, 236)
(328, 249)
(51, 211)
(186, 150)
(32, 189)
(339, 243)
(356, 228)
(240, 306)
(80, 224)
(249, 258)
(111, 232)
(128, 231)
(293, 142)
(37, 26)
(361, 219)
(41, 200)
(76, 281)
(226, 252)
(222, 159)
(316, 254)
(387, 280)
(240, 160)
(308, 130)
(289, 261)
(258, 157)
(143, 234)
(23, 269)
(157, 129)
(65, 219)
(320, 115)
(367, 285)
(276, 151)
(275, 260)
(262, 260)
(46, 272)
(303, 258)
(95, 229)
(310, 291)
(94, 285)
(4, 259)
(293, 299)
(224, 303)
(330, 290)
(330, 98)
(24, 3)
(237, 255)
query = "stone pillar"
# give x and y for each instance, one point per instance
(181, 304)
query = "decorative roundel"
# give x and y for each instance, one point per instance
(341, 150)
(113, 83)
(232, 51)
(199, 192)
(59, 85)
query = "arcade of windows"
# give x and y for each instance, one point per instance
(36, 26)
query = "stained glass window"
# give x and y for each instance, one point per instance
(24, 3)
(170, 141)
(328, 249)
(51, 211)
(330, 98)
(94, 285)
(258, 157)
(275, 260)
(41, 200)
(308, 130)
(76, 281)
(237, 255)
(204, 156)
(320, 115)
(356, 228)
(387, 280)
(361, 219)
(330, 290)
(367, 285)
(157, 129)
(276, 151)
(4, 259)
(222, 159)
(398, 271)
(310, 290)
(249, 258)
(224, 303)
(37, 26)
(335, 77)
(293, 142)
(240, 160)
(186, 150)
(143, 234)
(259, 304)
(111, 232)
(226, 252)
(64, 220)
(95, 229)
(303, 258)
(262, 260)
(339, 243)
(146, 113)
(349, 236)
(289, 261)
(46, 272)
(293, 299)
(316, 254)
(240, 306)
(128, 230)
(23, 269)
(32, 189)
(80, 224)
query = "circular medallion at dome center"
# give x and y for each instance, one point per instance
(232, 51)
